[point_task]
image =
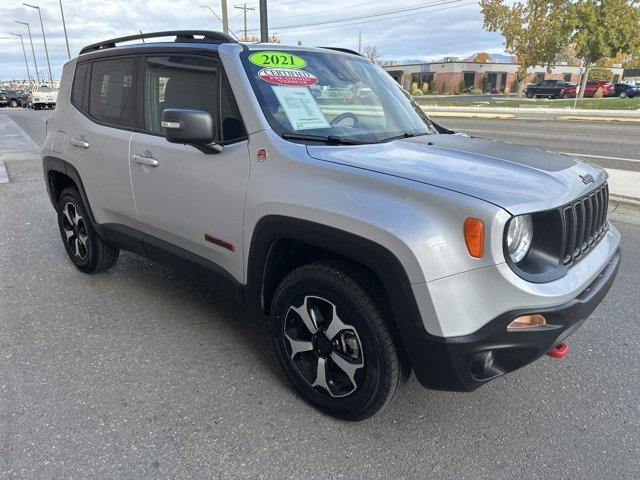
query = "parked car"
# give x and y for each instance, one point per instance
(546, 88)
(624, 90)
(3, 100)
(590, 89)
(15, 98)
(377, 241)
(43, 96)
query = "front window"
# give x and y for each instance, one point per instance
(321, 96)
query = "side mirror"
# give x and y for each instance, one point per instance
(191, 127)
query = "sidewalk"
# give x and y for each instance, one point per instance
(568, 114)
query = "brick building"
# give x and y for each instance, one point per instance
(448, 76)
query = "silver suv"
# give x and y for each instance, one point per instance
(306, 184)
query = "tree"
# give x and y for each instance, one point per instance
(600, 73)
(567, 54)
(603, 28)
(371, 52)
(482, 57)
(256, 39)
(533, 30)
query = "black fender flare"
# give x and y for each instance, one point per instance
(377, 258)
(54, 164)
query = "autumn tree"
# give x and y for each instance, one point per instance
(603, 28)
(482, 57)
(534, 30)
(371, 52)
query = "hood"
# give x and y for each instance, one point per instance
(516, 178)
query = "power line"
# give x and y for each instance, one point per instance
(244, 11)
(360, 22)
(368, 16)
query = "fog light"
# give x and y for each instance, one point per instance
(527, 321)
(482, 363)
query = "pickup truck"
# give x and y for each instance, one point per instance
(546, 88)
(43, 97)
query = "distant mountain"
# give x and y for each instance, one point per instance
(494, 58)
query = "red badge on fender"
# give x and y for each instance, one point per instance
(287, 76)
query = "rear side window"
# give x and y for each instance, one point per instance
(110, 91)
(77, 91)
(180, 82)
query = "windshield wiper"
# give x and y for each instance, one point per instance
(331, 139)
(406, 135)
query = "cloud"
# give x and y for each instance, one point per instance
(420, 34)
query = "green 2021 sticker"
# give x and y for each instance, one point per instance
(277, 59)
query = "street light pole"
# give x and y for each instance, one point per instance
(64, 26)
(33, 52)
(24, 52)
(264, 27)
(44, 39)
(225, 17)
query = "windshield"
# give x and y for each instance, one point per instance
(329, 96)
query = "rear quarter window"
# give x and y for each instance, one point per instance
(77, 90)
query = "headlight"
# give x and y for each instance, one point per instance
(519, 237)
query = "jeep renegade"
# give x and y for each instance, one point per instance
(305, 183)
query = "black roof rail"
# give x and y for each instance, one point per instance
(181, 36)
(343, 50)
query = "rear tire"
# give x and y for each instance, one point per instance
(13, 104)
(334, 343)
(88, 252)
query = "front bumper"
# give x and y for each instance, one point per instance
(457, 363)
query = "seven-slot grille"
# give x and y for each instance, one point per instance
(584, 223)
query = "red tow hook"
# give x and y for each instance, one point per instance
(559, 351)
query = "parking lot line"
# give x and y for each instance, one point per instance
(603, 157)
(4, 177)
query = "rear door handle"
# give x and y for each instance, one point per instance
(79, 143)
(148, 161)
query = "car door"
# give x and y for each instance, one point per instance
(98, 136)
(190, 199)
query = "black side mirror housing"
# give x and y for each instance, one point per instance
(190, 127)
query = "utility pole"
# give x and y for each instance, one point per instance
(24, 52)
(264, 23)
(64, 26)
(360, 42)
(225, 17)
(33, 52)
(44, 39)
(244, 9)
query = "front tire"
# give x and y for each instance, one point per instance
(334, 343)
(623, 94)
(529, 94)
(88, 252)
(13, 104)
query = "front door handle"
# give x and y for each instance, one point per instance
(79, 143)
(148, 161)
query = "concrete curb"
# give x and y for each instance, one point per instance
(635, 114)
(470, 115)
(624, 209)
(597, 119)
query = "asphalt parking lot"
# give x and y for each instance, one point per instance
(140, 373)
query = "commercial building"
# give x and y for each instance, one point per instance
(454, 76)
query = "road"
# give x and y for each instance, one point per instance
(608, 144)
(140, 373)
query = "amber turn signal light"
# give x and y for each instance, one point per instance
(474, 236)
(527, 321)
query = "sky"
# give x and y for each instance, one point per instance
(419, 29)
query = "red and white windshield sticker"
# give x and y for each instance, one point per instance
(287, 76)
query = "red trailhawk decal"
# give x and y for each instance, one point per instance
(287, 76)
